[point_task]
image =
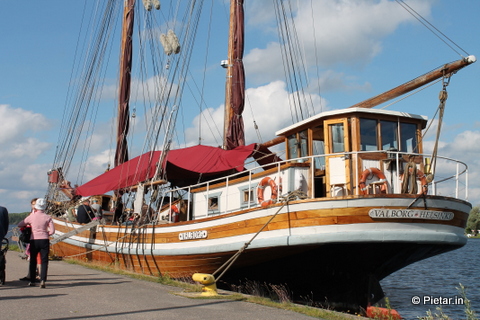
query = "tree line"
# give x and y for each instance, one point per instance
(473, 222)
(15, 218)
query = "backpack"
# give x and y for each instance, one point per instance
(26, 234)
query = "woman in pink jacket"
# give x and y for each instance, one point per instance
(42, 228)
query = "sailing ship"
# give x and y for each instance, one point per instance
(354, 199)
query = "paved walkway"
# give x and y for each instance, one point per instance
(76, 292)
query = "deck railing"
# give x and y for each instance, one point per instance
(450, 179)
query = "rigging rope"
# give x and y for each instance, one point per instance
(285, 200)
(432, 28)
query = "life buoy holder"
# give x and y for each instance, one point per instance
(267, 182)
(363, 178)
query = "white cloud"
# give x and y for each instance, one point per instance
(272, 100)
(347, 32)
(463, 148)
(21, 144)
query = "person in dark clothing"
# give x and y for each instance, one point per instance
(4, 222)
(118, 214)
(85, 212)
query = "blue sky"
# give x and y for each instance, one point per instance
(364, 47)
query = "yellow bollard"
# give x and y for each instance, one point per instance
(208, 282)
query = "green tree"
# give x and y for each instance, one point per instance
(473, 222)
(15, 218)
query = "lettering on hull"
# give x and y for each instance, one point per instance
(410, 214)
(193, 235)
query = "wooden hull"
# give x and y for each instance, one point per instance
(339, 248)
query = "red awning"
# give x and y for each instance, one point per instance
(183, 167)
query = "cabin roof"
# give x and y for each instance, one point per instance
(344, 112)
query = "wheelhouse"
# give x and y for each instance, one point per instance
(343, 144)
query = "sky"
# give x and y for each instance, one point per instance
(359, 49)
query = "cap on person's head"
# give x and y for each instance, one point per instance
(85, 199)
(40, 204)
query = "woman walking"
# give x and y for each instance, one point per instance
(27, 250)
(42, 228)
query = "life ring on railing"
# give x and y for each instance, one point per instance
(174, 213)
(267, 181)
(380, 176)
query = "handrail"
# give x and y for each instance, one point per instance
(392, 155)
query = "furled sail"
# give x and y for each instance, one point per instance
(121, 154)
(183, 167)
(235, 135)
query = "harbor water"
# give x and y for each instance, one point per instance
(432, 283)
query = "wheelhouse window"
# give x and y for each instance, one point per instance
(303, 143)
(318, 148)
(408, 135)
(387, 135)
(293, 146)
(298, 145)
(337, 135)
(368, 134)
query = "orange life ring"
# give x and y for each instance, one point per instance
(364, 176)
(267, 181)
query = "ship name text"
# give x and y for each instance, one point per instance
(202, 234)
(410, 214)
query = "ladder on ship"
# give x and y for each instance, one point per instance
(75, 231)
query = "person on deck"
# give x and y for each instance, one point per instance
(97, 209)
(85, 212)
(42, 228)
(118, 214)
(4, 222)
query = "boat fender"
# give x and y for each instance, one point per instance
(364, 177)
(382, 313)
(267, 181)
(174, 213)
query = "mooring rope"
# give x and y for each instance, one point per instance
(285, 200)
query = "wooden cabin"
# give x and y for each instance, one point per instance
(353, 140)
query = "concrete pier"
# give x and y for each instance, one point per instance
(76, 292)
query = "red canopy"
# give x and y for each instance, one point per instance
(183, 167)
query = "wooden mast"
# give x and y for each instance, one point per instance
(228, 82)
(121, 154)
(447, 70)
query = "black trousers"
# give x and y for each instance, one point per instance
(36, 246)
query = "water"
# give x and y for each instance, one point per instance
(437, 277)
(9, 233)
